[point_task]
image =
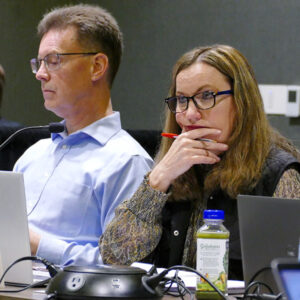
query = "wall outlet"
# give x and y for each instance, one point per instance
(293, 101)
(274, 97)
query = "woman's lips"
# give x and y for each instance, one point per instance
(188, 128)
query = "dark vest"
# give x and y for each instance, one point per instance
(176, 216)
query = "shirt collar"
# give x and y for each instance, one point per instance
(101, 130)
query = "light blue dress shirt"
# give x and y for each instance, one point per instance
(73, 185)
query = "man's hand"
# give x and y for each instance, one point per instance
(34, 241)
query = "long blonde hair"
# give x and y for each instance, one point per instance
(252, 136)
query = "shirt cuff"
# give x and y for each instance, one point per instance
(51, 249)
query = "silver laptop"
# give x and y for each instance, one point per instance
(269, 228)
(14, 234)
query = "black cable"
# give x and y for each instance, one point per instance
(152, 270)
(175, 279)
(51, 296)
(168, 284)
(257, 293)
(184, 268)
(29, 286)
(259, 272)
(182, 290)
(264, 296)
(258, 285)
(51, 269)
(279, 296)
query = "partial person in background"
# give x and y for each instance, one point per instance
(3, 121)
(214, 96)
(9, 154)
(74, 180)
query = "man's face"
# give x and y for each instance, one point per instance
(65, 88)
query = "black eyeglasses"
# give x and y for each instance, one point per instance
(203, 100)
(52, 61)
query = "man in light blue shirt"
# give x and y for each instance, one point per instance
(75, 179)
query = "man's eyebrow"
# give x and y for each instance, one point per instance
(52, 52)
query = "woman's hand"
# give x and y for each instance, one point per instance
(185, 152)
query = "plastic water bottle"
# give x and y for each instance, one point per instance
(212, 255)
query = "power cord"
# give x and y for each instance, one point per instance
(257, 288)
(50, 267)
(260, 271)
(180, 289)
(151, 282)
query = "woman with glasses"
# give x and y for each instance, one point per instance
(218, 144)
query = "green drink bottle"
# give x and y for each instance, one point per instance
(212, 255)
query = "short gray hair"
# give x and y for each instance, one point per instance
(97, 30)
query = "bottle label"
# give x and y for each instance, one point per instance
(212, 262)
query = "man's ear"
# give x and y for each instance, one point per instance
(100, 66)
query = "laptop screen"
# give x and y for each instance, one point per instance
(14, 234)
(269, 228)
(287, 275)
(291, 283)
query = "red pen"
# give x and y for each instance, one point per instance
(174, 136)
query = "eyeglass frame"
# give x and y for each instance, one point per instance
(35, 61)
(227, 92)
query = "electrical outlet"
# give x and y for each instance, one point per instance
(274, 97)
(293, 101)
(75, 282)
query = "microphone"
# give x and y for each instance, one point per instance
(52, 127)
(55, 127)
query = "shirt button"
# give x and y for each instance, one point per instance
(211, 197)
(64, 146)
(176, 232)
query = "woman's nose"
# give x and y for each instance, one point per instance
(192, 112)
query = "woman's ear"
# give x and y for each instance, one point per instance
(100, 66)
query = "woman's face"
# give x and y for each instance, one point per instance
(201, 77)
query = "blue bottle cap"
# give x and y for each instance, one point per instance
(213, 214)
